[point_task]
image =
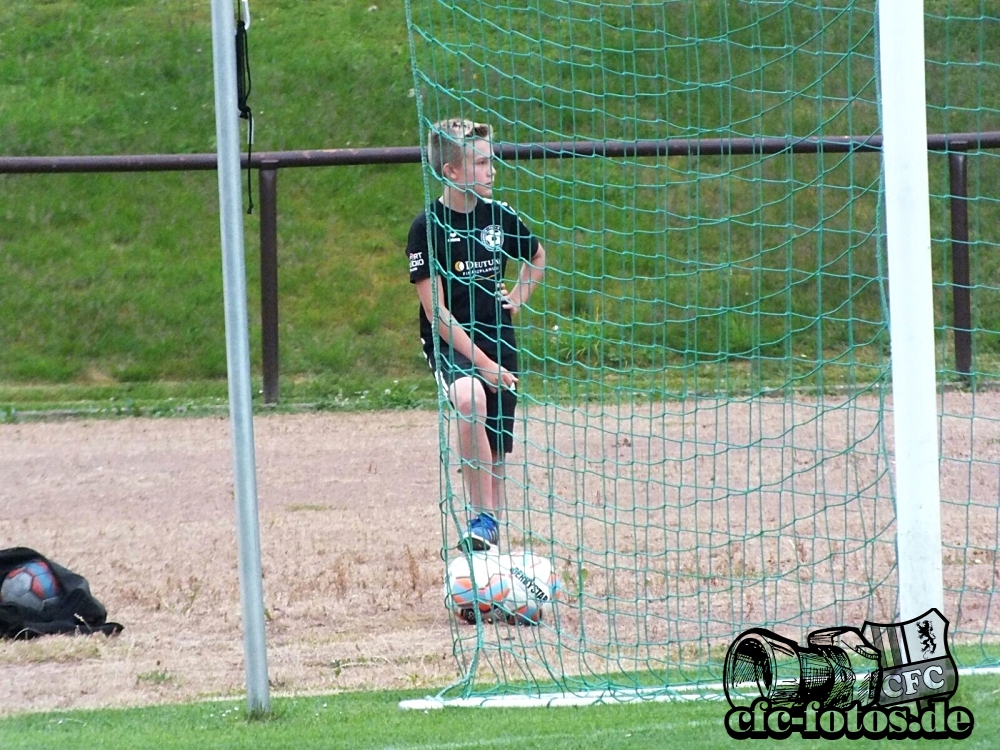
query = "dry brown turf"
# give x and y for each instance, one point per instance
(351, 536)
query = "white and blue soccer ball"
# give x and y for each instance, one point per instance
(533, 588)
(519, 588)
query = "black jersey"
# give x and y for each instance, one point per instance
(471, 252)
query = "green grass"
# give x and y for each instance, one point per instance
(25, 402)
(357, 392)
(115, 279)
(372, 720)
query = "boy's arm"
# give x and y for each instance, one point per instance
(451, 331)
(529, 275)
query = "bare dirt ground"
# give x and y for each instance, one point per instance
(350, 535)
(683, 521)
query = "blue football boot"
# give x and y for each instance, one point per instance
(482, 534)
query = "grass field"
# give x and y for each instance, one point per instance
(372, 720)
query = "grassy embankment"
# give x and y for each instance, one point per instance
(112, 283)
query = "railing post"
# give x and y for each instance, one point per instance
(268, 176)
(960, 286)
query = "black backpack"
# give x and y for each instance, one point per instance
(74, 611)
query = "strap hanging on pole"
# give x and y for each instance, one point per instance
(244, 85)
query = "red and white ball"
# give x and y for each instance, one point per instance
(518, 588)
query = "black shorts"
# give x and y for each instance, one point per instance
(500, 405)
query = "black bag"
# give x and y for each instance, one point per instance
(74, 611)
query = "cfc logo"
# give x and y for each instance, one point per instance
(914, 658)
(492, 236)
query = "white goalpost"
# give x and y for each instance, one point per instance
(911, 306)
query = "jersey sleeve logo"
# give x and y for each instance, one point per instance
(416, 260)
(492, 236)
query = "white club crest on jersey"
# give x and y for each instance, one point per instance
(492, 236)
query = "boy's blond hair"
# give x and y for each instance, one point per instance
(448, 138)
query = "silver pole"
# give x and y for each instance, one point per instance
(234, 285)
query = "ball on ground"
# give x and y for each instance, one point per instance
(32, 585)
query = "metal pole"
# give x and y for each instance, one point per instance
(552, 150)
(911, 306)
(268, 178)
(234, 284)
(960, 287)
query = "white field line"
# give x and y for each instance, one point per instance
(712, 691)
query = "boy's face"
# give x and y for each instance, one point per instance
(474, 172)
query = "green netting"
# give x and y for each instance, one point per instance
(963, 96)
(702, 442)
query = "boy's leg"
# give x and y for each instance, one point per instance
(500, 432)
(468, 396)
(499, 489)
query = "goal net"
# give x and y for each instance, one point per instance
(702, 440)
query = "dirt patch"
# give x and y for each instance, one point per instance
(350, 536)
(672, 525)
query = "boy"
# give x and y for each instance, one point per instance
(472, 237)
